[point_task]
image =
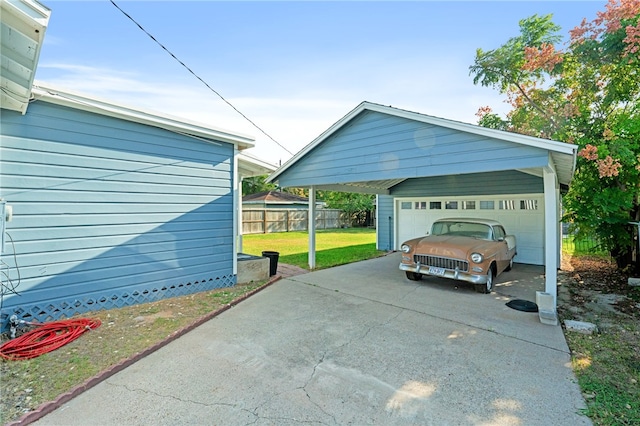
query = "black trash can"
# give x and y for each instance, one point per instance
(273, 261)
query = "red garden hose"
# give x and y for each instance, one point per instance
(46, 338)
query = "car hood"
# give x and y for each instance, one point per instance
(450, 246)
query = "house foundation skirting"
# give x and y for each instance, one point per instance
(52, 310)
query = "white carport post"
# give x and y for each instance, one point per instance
(237, 203)
(548, 298)
(312, 227)
(239, 228)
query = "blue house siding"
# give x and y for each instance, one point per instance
(386, 220)
(377, 146)
(109, 212)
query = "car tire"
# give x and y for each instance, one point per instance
(413, 276)
(488, 287)
(510, 265)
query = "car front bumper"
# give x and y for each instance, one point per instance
(448, 273)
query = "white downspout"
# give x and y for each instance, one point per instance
(312, 227)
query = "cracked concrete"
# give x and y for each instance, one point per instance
(358, 344)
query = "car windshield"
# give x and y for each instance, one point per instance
(464, 229)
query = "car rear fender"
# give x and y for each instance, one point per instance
(511, 241)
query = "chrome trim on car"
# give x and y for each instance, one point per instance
(441, 262)
(451, 274)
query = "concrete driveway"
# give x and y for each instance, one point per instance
(357, 344)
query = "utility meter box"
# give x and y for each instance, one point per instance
(3, 217)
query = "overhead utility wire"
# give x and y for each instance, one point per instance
(198, 77)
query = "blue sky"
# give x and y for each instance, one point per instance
(294, 68)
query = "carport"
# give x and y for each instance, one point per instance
(422, 168)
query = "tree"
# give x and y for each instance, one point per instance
(587, 93)
(256, 184)
(357, 207)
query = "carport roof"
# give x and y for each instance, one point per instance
(562, 155)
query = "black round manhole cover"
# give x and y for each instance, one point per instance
(522, 305)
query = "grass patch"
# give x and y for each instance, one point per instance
(333, 246)
(607, 366)
(333, 257)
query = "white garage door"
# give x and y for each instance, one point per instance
(521, 215)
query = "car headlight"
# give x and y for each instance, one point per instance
(405, 248)
(477, 257)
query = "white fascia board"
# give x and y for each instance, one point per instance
(64, 97)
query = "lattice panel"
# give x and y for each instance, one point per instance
(65, 308)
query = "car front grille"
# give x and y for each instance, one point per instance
(442, 262)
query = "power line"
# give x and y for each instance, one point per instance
(198, 77)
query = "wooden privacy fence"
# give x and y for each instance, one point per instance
(264, 221)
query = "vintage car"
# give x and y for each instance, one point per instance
(472, 250)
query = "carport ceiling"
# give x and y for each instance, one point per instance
(306, 167)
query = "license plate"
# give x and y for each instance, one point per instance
(436, 271)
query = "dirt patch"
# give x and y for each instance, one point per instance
(592, 286)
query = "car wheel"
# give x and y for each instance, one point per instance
(510, 265)
(413, 276)
(486, 288)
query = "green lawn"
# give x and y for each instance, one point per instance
(333, 246)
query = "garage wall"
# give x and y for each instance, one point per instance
(109, 212)
(385, 220)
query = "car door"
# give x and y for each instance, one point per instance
(502, 256)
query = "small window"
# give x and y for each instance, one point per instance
(528, 204)
(421, 205)
(451, 205)
(435, 205)
(487, 205)
(405, 205)
(498, 232)
(507, 205)
(468, 205)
